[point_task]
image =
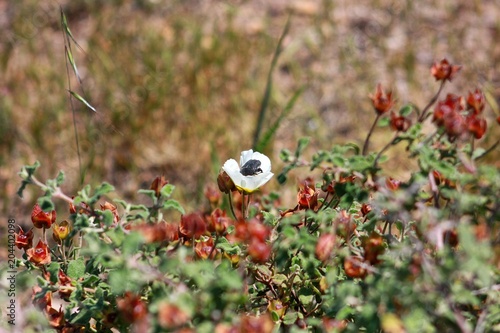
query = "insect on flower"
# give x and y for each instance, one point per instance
(253, 171)
(251, 168)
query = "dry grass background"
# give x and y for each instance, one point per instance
(178, 84)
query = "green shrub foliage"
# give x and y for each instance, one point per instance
(358, 251)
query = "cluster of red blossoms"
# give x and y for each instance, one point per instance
(459, 117)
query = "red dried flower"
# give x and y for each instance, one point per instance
(218, 222)
(171, 316)
(41, 302)
(399, 123)
(476, 126)
(476, 101)
(452, 104)
(109, 206)
(353, 267)
(259, 251)
(204, 249)
(261, 324)
(365, 209)
(24, 240)
(132, 307)
(158, 184)
(373, 246)
(192, 225)
(64, 281)
(225, 182)
(212, 195)
(42, 219)
(443, 70)
(256, 230)
(307, 197)
(39, 255)
(325, 246)
(56, 317)
(392, 184)
(345, 225)
(382, 102)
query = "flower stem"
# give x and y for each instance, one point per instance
(231, 204)
(489, 150)
(367, 140)
(432, 101)
(384, 149)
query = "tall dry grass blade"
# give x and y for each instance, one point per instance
(267, 93)
(269, 134)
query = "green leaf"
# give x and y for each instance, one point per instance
(173, 204)
(406, 110)
(149, 193)
(76, 269)
(302, 144)
(46, 204)
(81, 99)
(167, 190)
(290, 318)
(131, 243)
(53, 269)
(286, 155)
(383, 122)
(60, 178)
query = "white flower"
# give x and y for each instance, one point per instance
(253, 172)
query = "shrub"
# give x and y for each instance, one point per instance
(360, 250)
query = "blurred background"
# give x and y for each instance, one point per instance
(178, 84)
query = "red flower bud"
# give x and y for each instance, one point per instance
(307, 197)
(325, 246)
(212, 195)
(353, 267)
(256, 230)
(204, 249)
(39, 255)
(109, 206)
(373, 246)
(476, 126)
(476, 101)
(259, 251)
(392, 184)
(365, 209)
(41, 302)
(225, 182)
(24, 240)
(261, 324)
(444, 70)
(64, 281)
(192, 225)
(132, 307)
(218, 222)
(56, 317)
(42, 219)
(171, 316)
(158, 184)
(399, 123)
(382, 102)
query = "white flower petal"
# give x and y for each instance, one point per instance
(264, 160)
(233, 170)
(249, 184)
(246, 156)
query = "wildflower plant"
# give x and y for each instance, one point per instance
(358, 251)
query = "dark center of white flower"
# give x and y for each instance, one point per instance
(251, 168)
